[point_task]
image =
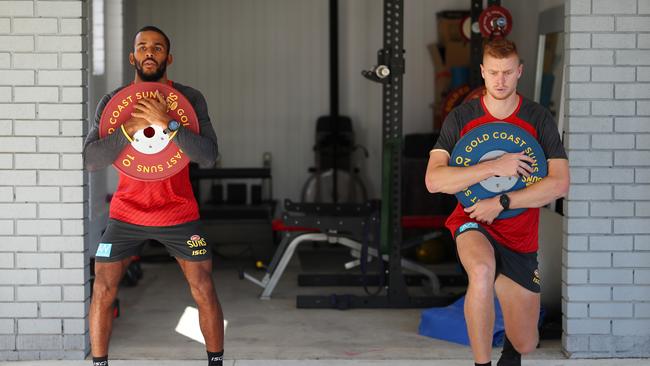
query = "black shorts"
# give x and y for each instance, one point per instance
(519, 267)
(121, 240)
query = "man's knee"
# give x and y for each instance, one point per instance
(201, 285)
(481, 274)
(104, 292)
(526, 345)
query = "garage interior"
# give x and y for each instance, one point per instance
(265, 70)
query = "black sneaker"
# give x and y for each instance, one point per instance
(509, 355)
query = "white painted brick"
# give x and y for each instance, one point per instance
(61, 211)
(642, 277)
(613, 108)
(577, 141)
(72, 95)
(35, 25)
(39, 326)
(72, 61)
(614, 7)
(644, 7)
(62, 276)
(631, 293)
(611, 175)
(591, 57)
(17, 43)
(587, 326)
(39, 342)
(588, 260)
(60, 310)
(580, 175)
(72, 161)
(37, 161)
(611, 243)
(6, 194)
(60, 144)
(632, 124)
(38, 260)
(7, 293)
(35, 61)
(610, 310)
(579, 107)
(59, 43)
(74, 293)
(635, 327)
(17, 277)
(72, 194)
(60, 111)
(18, 310)
(75, 342)
(5, 25)
(578, 40)
(591, 90)
(589, 226)
(642, 209)
(62, 244)
(17, 244)
(17, 77)
(643, 74)
(36, 94)
(590, 192)
(575, 276)
(643, 142)
(72, 227)
(72, 128)
(611, 276)
(591, 124)
(36, 128)
(612, 209)
(5, 94)
(72, 26)
(63, 178)
(6, 127)
(642, 175)
(74, 326)
(618, 141)
(18, 178)
(70, 9)
(571, 342)
(58, 77)
(591, 24)
(18, 111)
(613, 40)
(575, 242)
(576, 310)
(578, 73)
(577, 209)
(38, 227)
(633, 57)
(6, 228)
(38, 293)
(590, 158)
(642, 310)
(642, 242)
(6, 260)
(16, 8)
(5, 60)
(37, 194)
(633, 91)
(627, 158)
(7, 326)
(632, 24)
(17, 144)
(631, 259)
(636, 192)
(578, 7)
(632, 226)
(73, 260)
(17, 210)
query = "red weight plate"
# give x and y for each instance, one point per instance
(475, 94)
(488, 22)
(134, 163)
(453, 99)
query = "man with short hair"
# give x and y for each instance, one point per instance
(500, 255)
(165, 210)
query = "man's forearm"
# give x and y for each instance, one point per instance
(538, 194)
(100, 153)
(199, 148)
(448, 179)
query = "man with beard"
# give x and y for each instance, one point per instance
(500, 255)
(165, 210)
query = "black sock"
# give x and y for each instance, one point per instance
(509, 355)
(483, 364)
(100, 361)
(215, 358)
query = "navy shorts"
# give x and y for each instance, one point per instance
(519, 267)
(122, 240)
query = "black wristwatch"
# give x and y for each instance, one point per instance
(172, 126)
(504, 200)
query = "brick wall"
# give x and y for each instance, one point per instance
(43, 274)
(606, 254)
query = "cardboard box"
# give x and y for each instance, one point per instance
(449, 25)
(456, 54)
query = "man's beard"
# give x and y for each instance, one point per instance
(155, 76)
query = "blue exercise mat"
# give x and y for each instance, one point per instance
(448, 324)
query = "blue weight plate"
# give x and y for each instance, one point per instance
(489, 141)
